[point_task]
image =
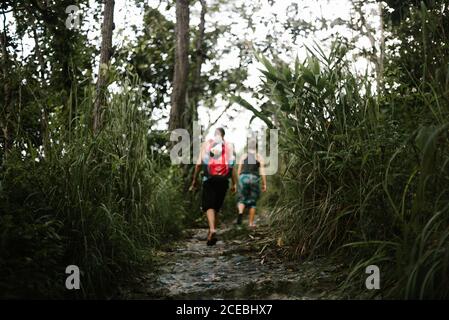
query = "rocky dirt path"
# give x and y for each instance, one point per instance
(245, 264)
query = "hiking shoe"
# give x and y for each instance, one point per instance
(213, 240)
(239, 219)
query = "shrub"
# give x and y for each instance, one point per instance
(99, 202)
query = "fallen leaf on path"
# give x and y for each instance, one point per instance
(280, 242)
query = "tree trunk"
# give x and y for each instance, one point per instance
(105, 56)
(192, 114)
(380, 75)
(7, 139)
(180, 78)
(376, 56)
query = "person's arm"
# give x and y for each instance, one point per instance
(233, 173)
(234, 181)
(240, 165)
(236, 175)
(262, 173)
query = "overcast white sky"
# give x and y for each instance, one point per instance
(127, 14)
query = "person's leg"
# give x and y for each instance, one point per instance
(253, 197)
(211, 221)
(241, 208)
(241, 197)
(221, 188)
(212, 234)
(252, 214)
(208, 200)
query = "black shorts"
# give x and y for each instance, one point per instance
(214, 192)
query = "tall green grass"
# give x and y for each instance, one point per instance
(363, 177)
(101, 202)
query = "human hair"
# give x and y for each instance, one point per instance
(252, 144)
(222, 131)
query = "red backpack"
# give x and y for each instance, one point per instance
(218, 164)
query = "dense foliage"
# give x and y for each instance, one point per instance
(98, 202)
(364, 174)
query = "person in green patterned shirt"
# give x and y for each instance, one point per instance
(250, 173)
